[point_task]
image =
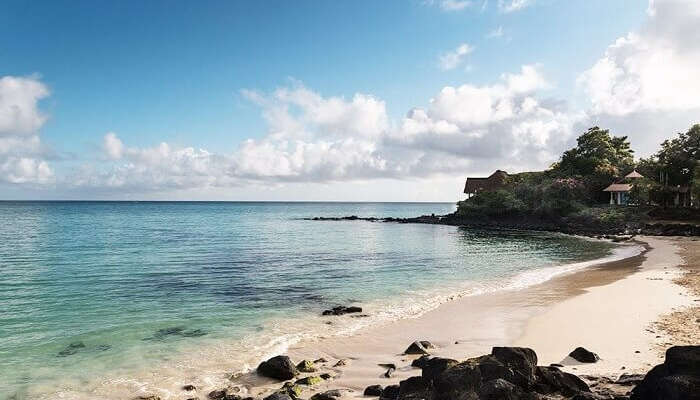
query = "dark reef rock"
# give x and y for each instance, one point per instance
(419, 347)
(499, 389)
(553, 380)
(71, 349)
(390, 392)
(342, 310)
(278, 396)
(306, 366)
(217, 394)
(677, 378)
(421, 361)
(414, 388)
(436, 366)
(585, 356)
(189, 388)
(278, 367)
(327, 395)
(373, 390)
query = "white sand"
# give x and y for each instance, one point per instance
(613, 320)
(607, 309)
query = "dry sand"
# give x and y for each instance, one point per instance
(610, 309)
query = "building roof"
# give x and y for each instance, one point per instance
(493, 182)
(634, 175)
(618, 187)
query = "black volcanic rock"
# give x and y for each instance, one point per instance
(677, 378)
(279, 367)
(585, 356)
(342, 310)
(419, 347)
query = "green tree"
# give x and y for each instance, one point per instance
(598, 159)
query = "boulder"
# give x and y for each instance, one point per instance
(342, 310)
(309, 380)
(499, 389)
(585, 356)
(421, 361)
(522, 362)
(677, 378)
(278, 396)
(629, 379)
(457, 382)
(326, 376)
(554, 380)
(390, 392)
(436, 366)
(327, 395)
(292, 389)
(415, 388)
(373, 390)
(189, 388)
(278, 367)
(217, 394)
(306, 366)
(419, 347)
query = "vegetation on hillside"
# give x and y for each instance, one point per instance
(573, 187)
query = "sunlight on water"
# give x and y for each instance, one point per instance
(97, 289)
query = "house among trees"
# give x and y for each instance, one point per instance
(494, 181)
(620, 191)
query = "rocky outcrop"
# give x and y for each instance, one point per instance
(279, 367)
(677, 378)
(373, 390)
(506, 373)
(342, 310)
(327, 395)
(585, 356)
(419, 347)
(306, 366)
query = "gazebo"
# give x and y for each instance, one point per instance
(619, 192)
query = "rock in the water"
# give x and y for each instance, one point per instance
(585, 356)
(291, 389)
(414, 388)
(326, 376)
(373, 390)
(390, 392)
(677, 378)
(306, 366)
(419, 347)
(421, 361)
(499, 389)
(148, 397)
(71, 349)
(342, 310)
(278, 367)
(629, 379)
(327, 395)
(341, 363)
(189, 388)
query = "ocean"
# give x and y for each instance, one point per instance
(102, 299)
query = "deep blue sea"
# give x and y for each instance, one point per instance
(106, 297)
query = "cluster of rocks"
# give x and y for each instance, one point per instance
(508, 373)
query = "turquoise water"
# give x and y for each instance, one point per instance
(122, 289)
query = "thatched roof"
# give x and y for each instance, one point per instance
(634, 175)
(493, 182)
(618, 187)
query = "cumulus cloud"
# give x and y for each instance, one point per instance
(453, 59)
(654, 69)
(20, 121)
(315, 138)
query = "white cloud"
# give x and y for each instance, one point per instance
(513, 5)
(312, 138)
(454, 58)
(495, 33)
(20, 121)
(654, 69)
(455, 5)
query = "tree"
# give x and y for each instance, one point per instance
(598, 159)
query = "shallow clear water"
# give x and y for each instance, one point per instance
(139, 284)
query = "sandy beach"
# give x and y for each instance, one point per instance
(628, 312)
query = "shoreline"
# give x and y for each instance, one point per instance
(469, 326)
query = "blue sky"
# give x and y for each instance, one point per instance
(183, 73)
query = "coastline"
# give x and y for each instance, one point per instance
(604, 307)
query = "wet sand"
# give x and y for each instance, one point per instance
(608, 308)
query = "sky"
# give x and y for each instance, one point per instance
(327, 100)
